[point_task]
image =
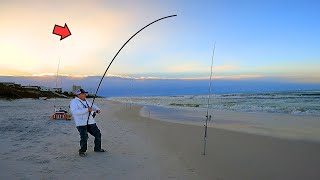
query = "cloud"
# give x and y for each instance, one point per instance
(43, 74)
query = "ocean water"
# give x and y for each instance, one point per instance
(295, 103)
(292, 115)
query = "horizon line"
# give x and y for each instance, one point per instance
(289, 78)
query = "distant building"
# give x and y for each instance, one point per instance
(59, 90)
(31, 87)
(75, 88)
(7, 83)
(43, 88)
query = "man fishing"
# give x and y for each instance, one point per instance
(81, 108)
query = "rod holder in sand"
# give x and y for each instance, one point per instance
(208, 117)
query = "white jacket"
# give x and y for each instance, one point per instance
(79, 110)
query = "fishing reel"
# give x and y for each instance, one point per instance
(94, 114)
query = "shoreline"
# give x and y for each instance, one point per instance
(230, 154)
(278, 125)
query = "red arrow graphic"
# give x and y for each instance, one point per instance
(63, 32)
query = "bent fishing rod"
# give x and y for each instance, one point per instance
(95, 95)
(208, 117)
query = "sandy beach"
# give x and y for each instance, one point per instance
(35, 147)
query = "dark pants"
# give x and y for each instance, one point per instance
(94, 131)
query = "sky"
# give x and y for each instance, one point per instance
(255, 39)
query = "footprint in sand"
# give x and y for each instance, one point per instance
(43, 161)
(60, 157)
(46, 170)
(27, 147)
(48, 144)
(15, 150)
(28, 158)
(34, 159)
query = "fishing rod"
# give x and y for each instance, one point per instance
(208, 117)
(54, 106)
(95, 95)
